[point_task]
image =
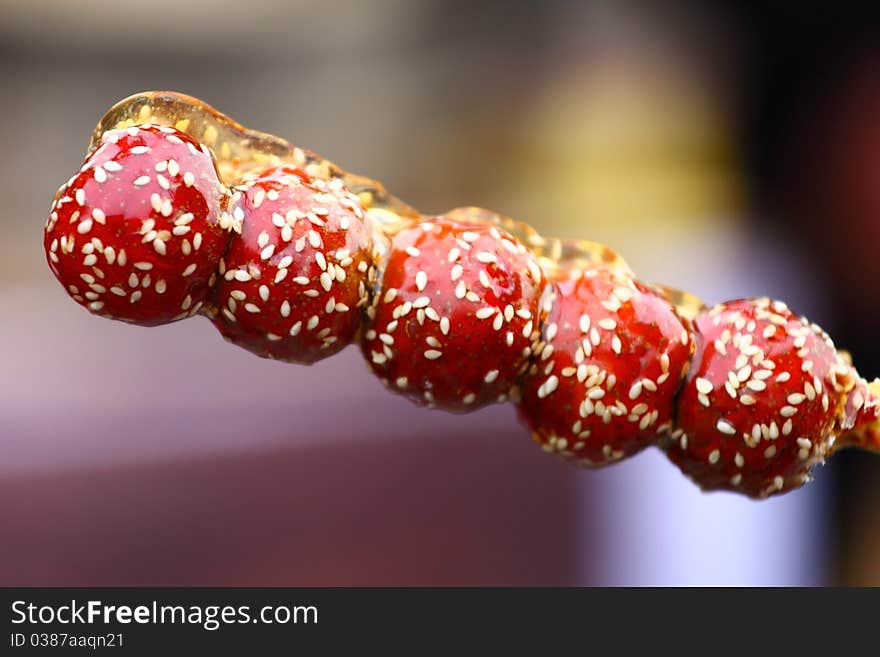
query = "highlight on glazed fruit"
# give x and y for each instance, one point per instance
(179, 211)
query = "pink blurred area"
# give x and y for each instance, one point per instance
(164, 456)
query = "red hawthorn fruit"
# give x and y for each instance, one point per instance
(293, 284)
(458, 308)
(762, 402)
(611, 357)
(136, 234)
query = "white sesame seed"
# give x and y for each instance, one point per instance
(725, 427)
(433, 354)
(485, 312)
(635, 390)
(704, 385)
(584, 323)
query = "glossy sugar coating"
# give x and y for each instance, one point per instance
(293, 284)
(764, 399)
(863, 405)
(239, 150)
(611, 357)
(135, 235)
(456, 314)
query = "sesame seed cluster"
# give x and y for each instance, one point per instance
(293, 259)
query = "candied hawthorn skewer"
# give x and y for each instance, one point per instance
(179, 210)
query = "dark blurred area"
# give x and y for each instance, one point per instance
(731, 150)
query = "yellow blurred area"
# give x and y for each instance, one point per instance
(627, 160)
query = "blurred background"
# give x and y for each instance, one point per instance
(728, 151)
